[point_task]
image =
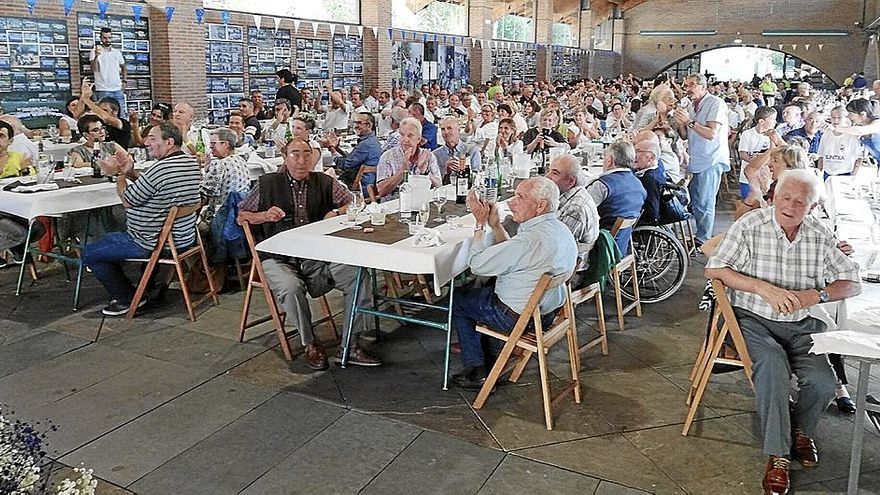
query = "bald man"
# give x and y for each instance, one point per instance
(650, 172)
(182, 118)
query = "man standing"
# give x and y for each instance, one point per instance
(777, 262)
(366, 152)
(108, 65)
(454, 155)
(292, 197)
(542, 244)
(704, 125)
(147, 198)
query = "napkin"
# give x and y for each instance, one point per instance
(255, 159)
(36, 187)
(427, 238)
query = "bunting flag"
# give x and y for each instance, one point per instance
(102, 9)
(224, 16)
(315, 28)
(807, 47)
(375, 32)
(682, 46)
(821, 46)
(424, 37)
(277, 23)
(169, 13)
(658, 46)
(258, 21)
(794, 46)
(332, 29)
(473, 42)
(390, 33)
(346, 28)
(705, 45)
(136, 11)
(768, 46)
(435, 38)
(68, 6)
(694, 46)
(671, 46)
(200, 15)
(32, 6)
(360, 31)
(481, 44)
(780, 46)
(296, 25)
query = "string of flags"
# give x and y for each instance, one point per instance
(707, 46)
(393, 34)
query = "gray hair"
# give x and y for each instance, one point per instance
(622, 153)
(658, 93)
(701, 79)
(226, 135)
(545, 189)
(806, 177)
(398, 114)
(411, 121)
(571, 167)
(651, 140)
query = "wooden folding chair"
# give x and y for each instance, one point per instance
(685, 232)
(536, 340)
(582, 295)
(722, 324)
(256, 280)
(371, 188)
(627, 262)
(166, 239)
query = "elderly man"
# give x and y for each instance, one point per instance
(182, 117)
(337, 113)
(542, 244)
(395, 117)
(617, 192)
(651, 173)
(791, 119)
(576, 208)
(429, 130)
(147, 198)
(292, 197)
(366, 152)
(811, 130)
(406, 157)
(779, 261)
(454, 155)
(704, 125)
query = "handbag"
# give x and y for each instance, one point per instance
(673, 204)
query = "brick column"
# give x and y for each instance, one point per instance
(177, 55)
(543, 30)
(480, 11)
(586, 34)
(377, 49)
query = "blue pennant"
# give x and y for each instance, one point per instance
(136, 11)
(200, 15)
(68, 6)
(32, 5)
(102, 9)
(169, 13)
(224, 16)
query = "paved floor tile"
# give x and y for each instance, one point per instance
(518, 475)
(609, 488)
(36, 349)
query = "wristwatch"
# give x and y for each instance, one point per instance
(478, 228)
(336, 211)
(691, 124)
(824, 296)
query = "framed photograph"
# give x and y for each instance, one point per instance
(86, 44)
(25, 56)
(142, 46)
(46, 51)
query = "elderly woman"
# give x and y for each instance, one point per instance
(653, 114)
(225, 173)
(583, 130)
(13, 229)
(545, 135)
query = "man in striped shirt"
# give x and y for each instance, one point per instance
(147, 197)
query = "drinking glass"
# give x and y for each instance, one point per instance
(52, 131)
(507, 163)
(424, 213)
(356, 206)
(439, 201)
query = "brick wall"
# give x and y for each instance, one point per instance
(839, 56)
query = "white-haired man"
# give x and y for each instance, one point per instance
(542, 244)
(779, 261)
(576, 208)
(406, 157)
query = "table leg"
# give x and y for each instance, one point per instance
(354, 308)
(855, 463)
(59, 244)
(373, 276)
(79, 263)
(448, 335)
(27, 249)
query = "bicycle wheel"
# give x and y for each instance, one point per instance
(661, 265)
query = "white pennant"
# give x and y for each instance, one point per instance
(794, 47)
(332, 29)
(296, 25)
(315, 28)
(807, 47)
(768, 46)
(257, 21)
(346, 28)
(375, 31)
(821, 46)
(473, 42)
(780, 46)
(481, 44)
(277, 22)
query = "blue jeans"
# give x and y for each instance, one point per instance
(825, 175)
(119, 96)
(104, 258)
(703, 188)
(479, 305)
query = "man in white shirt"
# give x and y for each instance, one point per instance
(372, 101)
(336, 114)
(108, 65)
(839, 154)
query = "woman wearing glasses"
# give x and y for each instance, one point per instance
(92, 130)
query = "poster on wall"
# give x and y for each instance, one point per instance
(312, 63)
(224, 62)
(34, 69)
(268, 51)
(453, 65)
(348, 62)
(133, 40)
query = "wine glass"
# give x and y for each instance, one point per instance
(439, 200)
(356, 206)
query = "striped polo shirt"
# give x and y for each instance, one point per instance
(171, 181)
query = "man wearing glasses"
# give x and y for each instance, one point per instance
(366, 152)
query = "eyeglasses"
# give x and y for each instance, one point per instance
(97, 129)
(360, 122)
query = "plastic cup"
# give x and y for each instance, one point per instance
(453, 221)
(377, 218)
(416, 225)
(270, 152)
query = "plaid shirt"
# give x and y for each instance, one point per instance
(300, 188)
(578, 212)
(756, 246)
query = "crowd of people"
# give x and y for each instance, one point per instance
(656, 135)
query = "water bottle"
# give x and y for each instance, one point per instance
(406, 199)
(490, 182)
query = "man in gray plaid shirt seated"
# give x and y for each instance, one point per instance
(779, 261)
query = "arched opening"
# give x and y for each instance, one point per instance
(743, 62)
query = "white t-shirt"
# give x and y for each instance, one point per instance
(21, 144)
(107, 76)
(751, 141)
(839, 153)
(488, 132)
(337, 118)
(751, 108)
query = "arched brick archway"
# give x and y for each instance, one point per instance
(804, 57)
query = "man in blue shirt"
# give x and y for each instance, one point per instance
(429, 130)
(366, 152)
(449, 156)
(809, 131)
(542, 244)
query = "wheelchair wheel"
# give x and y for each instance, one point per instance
(661, 264)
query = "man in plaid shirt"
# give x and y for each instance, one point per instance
(779, 261)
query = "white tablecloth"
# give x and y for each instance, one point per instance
(312, 242)
(57, 151)
(48, 203)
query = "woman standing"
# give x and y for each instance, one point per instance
(867, 125)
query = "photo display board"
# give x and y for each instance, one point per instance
(268, 51)
(224, 60)
(566, 65)
(34, 69)
(133, 40)
(514, 65)
(348, 62)
(407, 57)
(313, 63)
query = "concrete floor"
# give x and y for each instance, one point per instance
(162, 405)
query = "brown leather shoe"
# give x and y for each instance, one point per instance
(804, 450)
(776, 476)
(315, 358)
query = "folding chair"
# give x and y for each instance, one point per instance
(722, 323)
(256, 280)
(166, 239)
(628, 262)
(536, 340)
(582, 295)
